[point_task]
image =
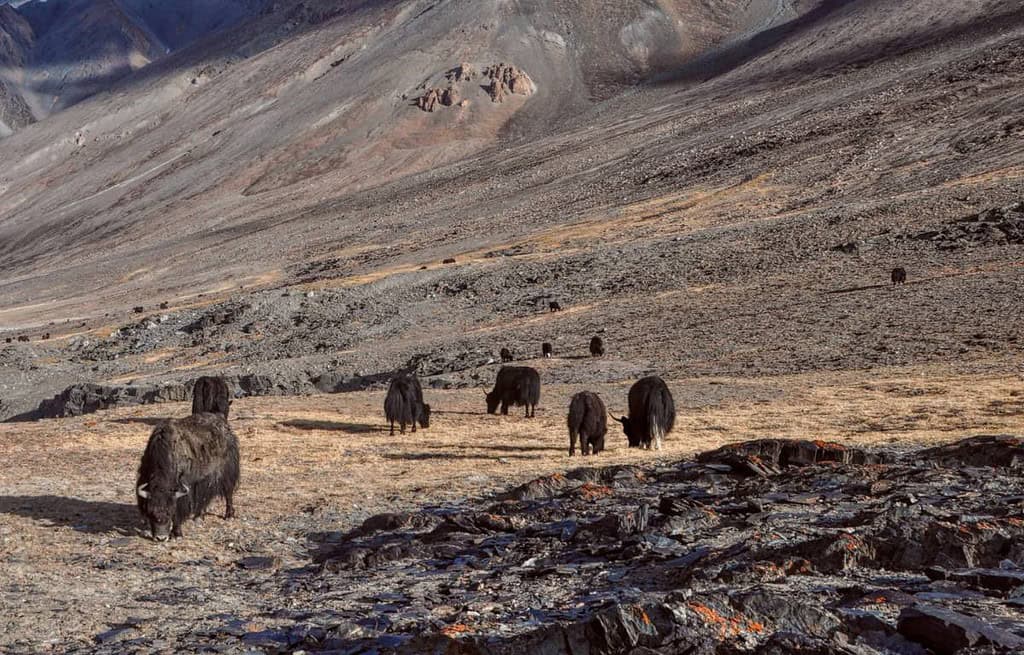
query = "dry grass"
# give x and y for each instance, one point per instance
(322, 463)
(335, 448)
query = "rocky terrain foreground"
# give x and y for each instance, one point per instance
(769, 546)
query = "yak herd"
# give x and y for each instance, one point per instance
(190, 462)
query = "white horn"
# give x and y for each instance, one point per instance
(142, 490)
(179, 494)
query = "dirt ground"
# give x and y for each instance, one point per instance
(79, 572)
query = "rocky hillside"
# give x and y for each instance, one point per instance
(721, 186)
(54, 53)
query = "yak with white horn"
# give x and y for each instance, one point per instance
(187, 463)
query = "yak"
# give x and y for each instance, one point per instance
(506, 355)
(518, 386)
(554, 306)
(596, 347)
(898, 276)
(587, 421)
(187, 463)
(546, 349)
(211, 394)
(652, 413)
(404, 404)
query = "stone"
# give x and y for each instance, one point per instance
(945, 631)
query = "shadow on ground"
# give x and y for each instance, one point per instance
(334, 426)
(90, 516)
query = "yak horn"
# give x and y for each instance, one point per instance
(142, 490)
(620, 420)
(179, 494)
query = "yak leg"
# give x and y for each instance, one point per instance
(402, 427)
(572, 444)
(392, 428)
(176, 528)
(229, 513)
(504, 408)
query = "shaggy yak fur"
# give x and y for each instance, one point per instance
(187, 463)
(596, 346)
(211, 395)
(587, 421)
(404, 404)
(652, 413)
(518, 386)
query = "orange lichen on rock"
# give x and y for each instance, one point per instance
(456, 629)
(591, 491)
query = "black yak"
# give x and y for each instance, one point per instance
(187, 463)
(138, 309)
(546, 349)
(553, 306)
(652, 413)
(450, 260)
(899, 275)
(211, 394)
(404, 404)
(596, 347)
(518, 386)
(506, 355)
(587, 420)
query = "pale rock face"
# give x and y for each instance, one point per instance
(498, 80)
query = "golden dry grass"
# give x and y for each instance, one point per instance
(321, 463)
(335, 448)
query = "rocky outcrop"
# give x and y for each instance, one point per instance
(993, 227)
(505, 79)
(833, 550)
(461, 82)
(86, 398)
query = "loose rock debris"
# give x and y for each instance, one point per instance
(771, 546)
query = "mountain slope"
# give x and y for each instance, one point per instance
(54, 53)
(723, 187)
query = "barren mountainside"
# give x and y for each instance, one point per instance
(805, 216)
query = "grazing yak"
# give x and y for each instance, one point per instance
(652, 413)
(518, 386)
(404, 404)
(587, 421)
(506, 355)
(546, 349)
(187, 463)
(553, 306)
(596, 347)
(899, 275)
(211, 394)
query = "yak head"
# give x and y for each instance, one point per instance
(425, 416)
(493, 399)
(630, 428)
(158, 501)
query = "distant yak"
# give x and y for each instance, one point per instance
(546, 349)
(596, 347)
(553, 306)
(187, 463)
(404, 404)
(587, 421)
(898, 276)
(211, 394)
(450, 260)
(652, 413)
(517, 386)
(138, 309)
(506, 355)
